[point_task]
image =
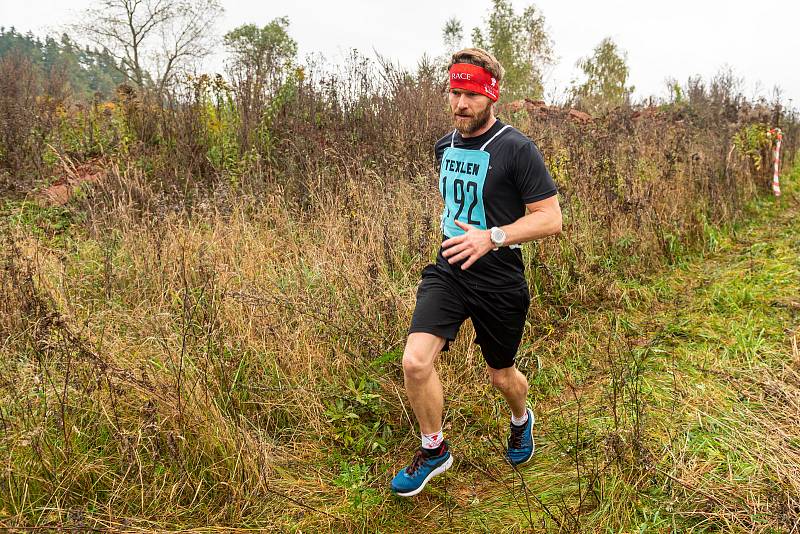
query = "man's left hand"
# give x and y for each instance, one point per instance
(471, 245)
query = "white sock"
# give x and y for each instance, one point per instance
(432, 441)
(519, 421)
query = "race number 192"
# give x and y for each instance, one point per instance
(458, 201)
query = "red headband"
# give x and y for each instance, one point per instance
(474, 78)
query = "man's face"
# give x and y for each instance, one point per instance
(470, 110)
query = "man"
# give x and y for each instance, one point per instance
(490, 174)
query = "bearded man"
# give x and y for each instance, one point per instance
(497, 194)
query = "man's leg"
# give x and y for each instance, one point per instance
(423, 387)
(425, 394)
(514, 387)
(437, 317)
(499, 320)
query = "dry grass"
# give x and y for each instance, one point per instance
(213, 371)
(230, 356)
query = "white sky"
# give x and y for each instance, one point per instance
(675, 38)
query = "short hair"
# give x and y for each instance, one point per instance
(480, 58)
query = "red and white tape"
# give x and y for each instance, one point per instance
(776, 184)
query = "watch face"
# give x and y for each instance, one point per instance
(498, 235)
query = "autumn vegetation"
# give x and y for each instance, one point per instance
(206, 281)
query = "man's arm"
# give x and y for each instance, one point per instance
(543, 219)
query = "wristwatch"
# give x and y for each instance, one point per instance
(498, 237)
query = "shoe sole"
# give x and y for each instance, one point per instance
(533, 443)
(438, 471)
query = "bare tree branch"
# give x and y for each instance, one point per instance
(151, 40)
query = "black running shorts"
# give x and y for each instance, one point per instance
(443, 303)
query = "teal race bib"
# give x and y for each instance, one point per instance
(462, 175)
(461, 179)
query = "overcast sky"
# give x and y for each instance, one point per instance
(676, 38)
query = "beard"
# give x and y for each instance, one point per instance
(468, 125)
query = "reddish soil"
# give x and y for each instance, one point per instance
(62, 189)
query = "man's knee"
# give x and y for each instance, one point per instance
(417, 365)
(420, 352)
(498, 379)
(502, 379)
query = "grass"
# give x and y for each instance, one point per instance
(181, 375)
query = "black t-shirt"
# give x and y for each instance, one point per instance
(516, 176)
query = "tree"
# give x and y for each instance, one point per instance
(453, 35)
(88, 71)
(260, 67)
(263, 56)
(521, 44)
(152, 41)
(27, 45)
(606, 74)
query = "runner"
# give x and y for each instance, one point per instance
(489, 175)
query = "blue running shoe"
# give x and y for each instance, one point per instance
(410, 480)
(520, 442)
